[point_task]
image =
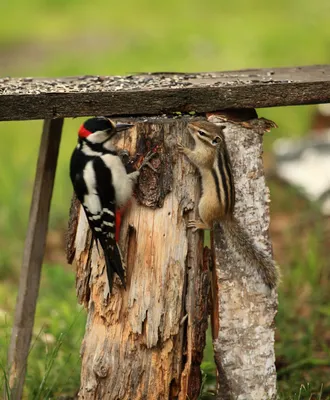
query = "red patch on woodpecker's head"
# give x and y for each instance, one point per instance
(83, 132)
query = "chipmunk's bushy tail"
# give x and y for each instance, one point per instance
(266, 266)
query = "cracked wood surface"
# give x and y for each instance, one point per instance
(147, 342)
(243, 307)
(157, 93)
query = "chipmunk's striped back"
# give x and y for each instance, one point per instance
(224, 182)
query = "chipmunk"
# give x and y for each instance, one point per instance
(217, 202)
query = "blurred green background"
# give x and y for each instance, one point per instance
(71, 37)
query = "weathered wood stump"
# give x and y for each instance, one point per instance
(147, 342)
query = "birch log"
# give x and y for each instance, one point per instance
(243, 307)
(147, 342)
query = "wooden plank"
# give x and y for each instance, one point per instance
(33, 255)
(147, 342)
(154, 94)
(243, 307)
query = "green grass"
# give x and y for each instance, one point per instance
(59, 326)
(305, 392)
(303, 320)
(69, 37)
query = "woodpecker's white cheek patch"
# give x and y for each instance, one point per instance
(98, 137)
(91, 199)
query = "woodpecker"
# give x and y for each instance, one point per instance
(103, 186)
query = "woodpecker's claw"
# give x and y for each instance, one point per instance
(146, 161)
(124, 156)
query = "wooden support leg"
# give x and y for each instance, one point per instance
(33, 255)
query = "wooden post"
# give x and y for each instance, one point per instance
(147, 342)
(33, 255)
(243, 307)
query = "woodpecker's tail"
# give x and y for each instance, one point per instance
(114, 264)
(266, 266)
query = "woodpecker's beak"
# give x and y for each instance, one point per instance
(123, 127)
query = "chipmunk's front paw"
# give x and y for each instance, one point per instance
(195, 225)
(181, 148)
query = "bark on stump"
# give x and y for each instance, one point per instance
(244, 308)
(147, 342)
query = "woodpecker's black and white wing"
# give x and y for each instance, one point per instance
(94, 189)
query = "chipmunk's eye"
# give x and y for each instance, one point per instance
(202, 133)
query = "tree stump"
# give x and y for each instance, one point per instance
(244, 308)
(147, 342)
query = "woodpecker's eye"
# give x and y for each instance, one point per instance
(201, 133)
